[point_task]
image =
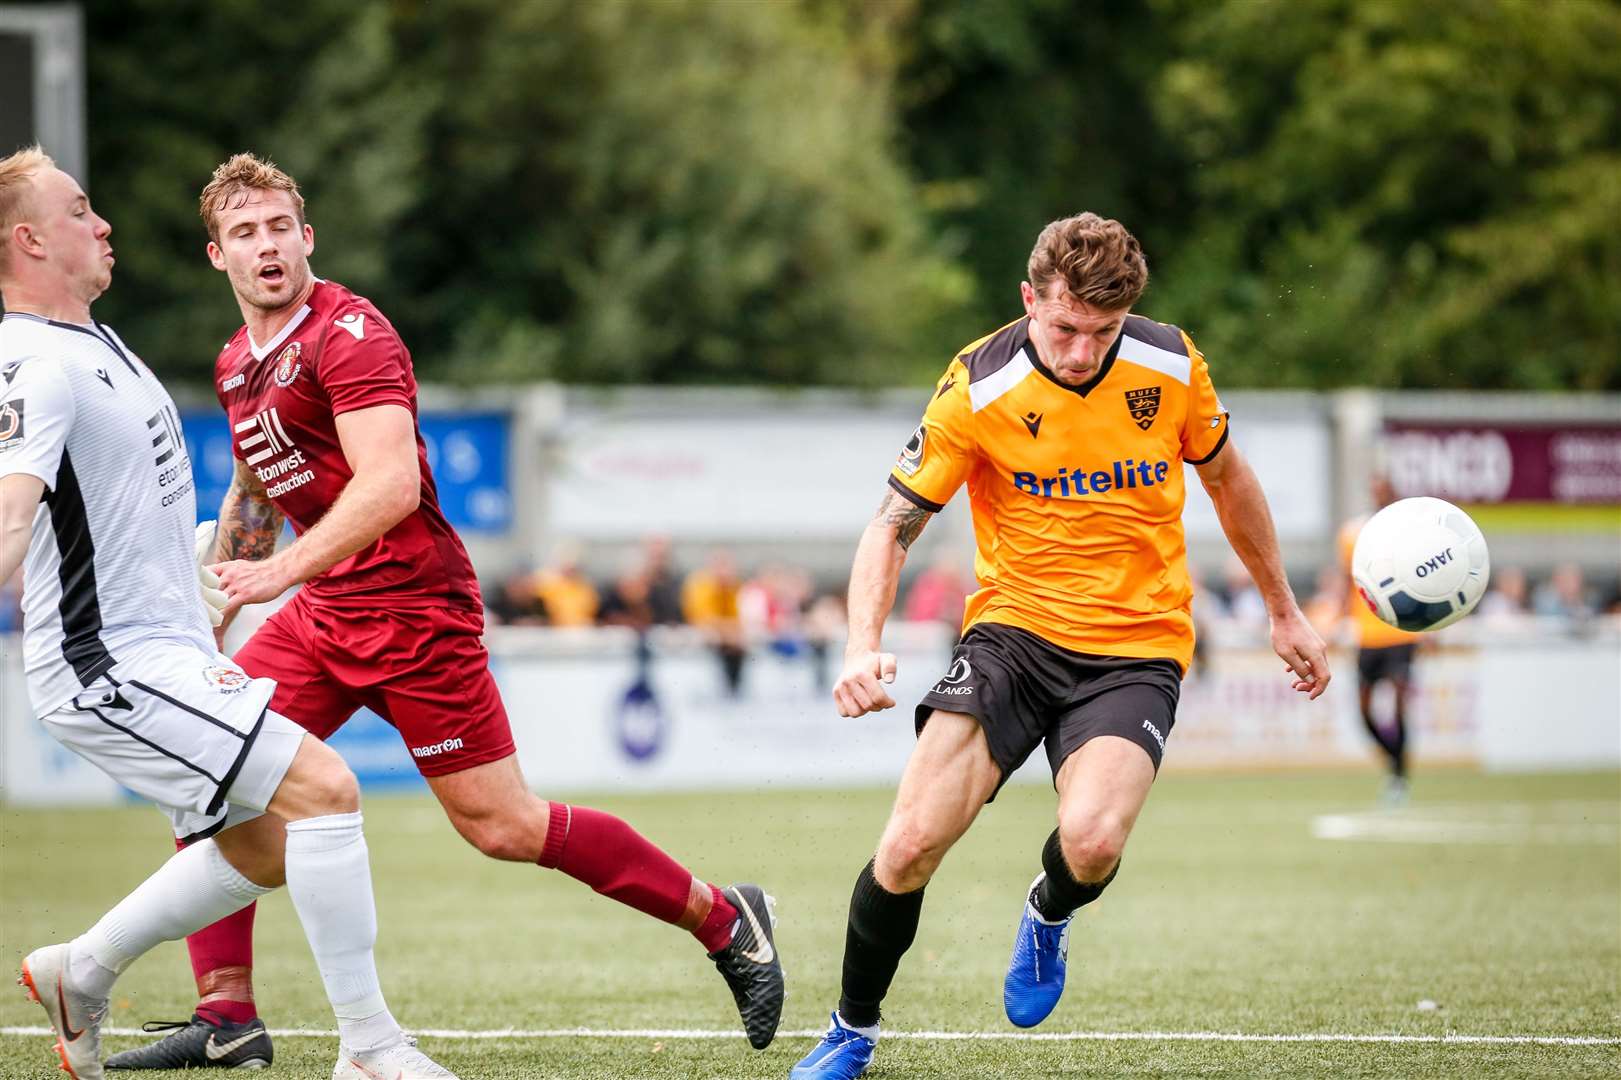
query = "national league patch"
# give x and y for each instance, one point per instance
(911, 458)
(11, 424)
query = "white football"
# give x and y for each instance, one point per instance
(1421, 564)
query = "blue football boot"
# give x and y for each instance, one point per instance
(1035, 975)
(843, 1054)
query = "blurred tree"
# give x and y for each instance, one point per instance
(614, 192)
(1399, 194)
(1019, 113)
(175, 85)
(841, 191)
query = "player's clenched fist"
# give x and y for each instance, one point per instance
(860, 688)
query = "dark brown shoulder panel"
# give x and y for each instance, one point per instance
(995, 352)
(1156, 334)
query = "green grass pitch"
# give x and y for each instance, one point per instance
(1497, 898)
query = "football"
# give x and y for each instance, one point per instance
(1420, 564)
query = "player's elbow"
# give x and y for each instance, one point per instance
(402, 496)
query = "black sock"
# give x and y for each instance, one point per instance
(882, 926)
(1393, 743)
(1059, 894)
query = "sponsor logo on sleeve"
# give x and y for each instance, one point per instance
(11, 424)
(911, 458)
(233, 382)
(354, 322)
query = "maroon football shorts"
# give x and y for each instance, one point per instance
(424, 670)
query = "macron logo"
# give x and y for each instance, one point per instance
(436, 749)
(1154, 731)
(354, 322)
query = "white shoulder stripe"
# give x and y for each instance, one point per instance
(999, 382)
(261, 351)
(1175, 365)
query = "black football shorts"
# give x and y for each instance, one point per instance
(1024, 691)
(1390, 662)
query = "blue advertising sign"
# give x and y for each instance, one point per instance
(467, 452)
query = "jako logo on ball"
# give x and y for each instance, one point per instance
(1431, 565)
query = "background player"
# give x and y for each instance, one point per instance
(321, 400)
(96, 494)
(1384, 654)
(1070, 427)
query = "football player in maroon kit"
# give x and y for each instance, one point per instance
(321, 400)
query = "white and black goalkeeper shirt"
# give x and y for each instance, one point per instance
(110, 561)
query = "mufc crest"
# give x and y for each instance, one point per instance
(288, 364)
(1144, 405)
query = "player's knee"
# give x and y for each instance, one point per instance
(333, 786)
(908, 857)
(1092, 844)
(501, 837)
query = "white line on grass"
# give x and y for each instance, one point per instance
(1438, 826)
(941, 1036)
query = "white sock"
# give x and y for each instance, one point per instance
(329, 879)
(869, 1032)
(195, 888)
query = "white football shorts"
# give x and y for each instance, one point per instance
(185, 728)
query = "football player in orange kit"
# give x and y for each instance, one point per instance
(1070, 427)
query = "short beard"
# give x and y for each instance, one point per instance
(254, 296)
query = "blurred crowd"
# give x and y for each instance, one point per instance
(786, 610)
(1513, 597)
(778, 607)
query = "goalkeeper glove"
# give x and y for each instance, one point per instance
(214, 598)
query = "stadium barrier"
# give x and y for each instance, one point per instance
(596, 710)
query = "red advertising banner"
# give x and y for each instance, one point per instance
(1493, 463)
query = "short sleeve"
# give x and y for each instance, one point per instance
(1204, 428)
(364, 363)
(941, 452)
(36, 414)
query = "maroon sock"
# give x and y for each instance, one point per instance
(620, 863)
(222, 963)
(716, 929)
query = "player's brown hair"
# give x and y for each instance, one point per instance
(235, 179)
(16, 182)
(1101, 263)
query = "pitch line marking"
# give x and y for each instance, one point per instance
(938, 1036)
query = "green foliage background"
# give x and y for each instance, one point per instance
(1331, 192)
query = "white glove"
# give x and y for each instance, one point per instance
(214, 598)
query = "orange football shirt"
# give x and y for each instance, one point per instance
(1076, 492)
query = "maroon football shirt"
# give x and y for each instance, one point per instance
(336, 355)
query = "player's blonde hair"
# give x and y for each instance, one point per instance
(1102, 264)
(17, 174)
(235, 179)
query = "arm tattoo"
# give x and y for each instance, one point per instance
(907, 519)
(249, 528)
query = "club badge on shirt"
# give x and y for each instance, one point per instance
(288, 364)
